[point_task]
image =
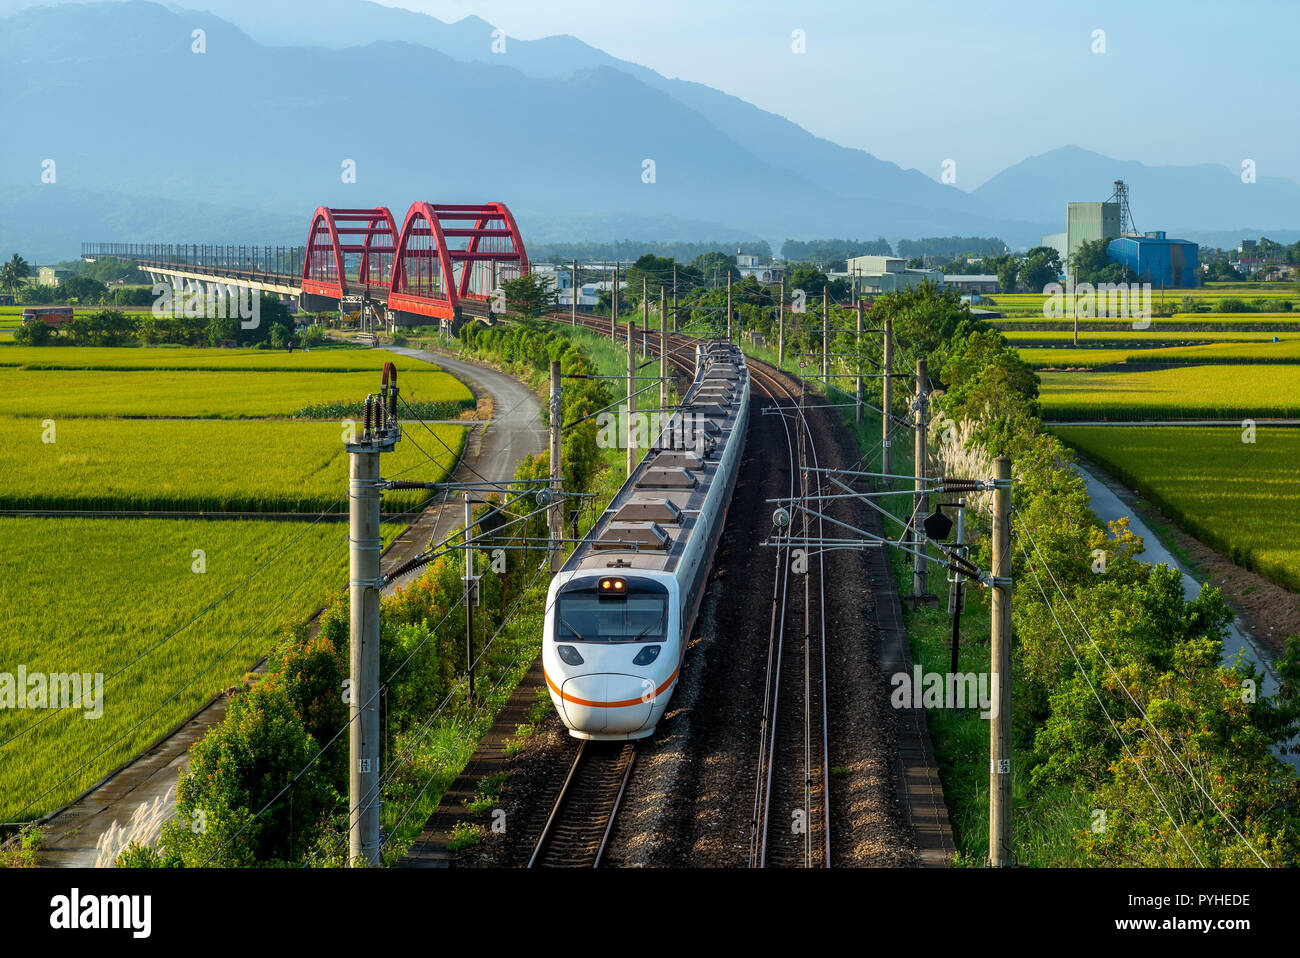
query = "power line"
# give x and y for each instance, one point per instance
(1132, 699)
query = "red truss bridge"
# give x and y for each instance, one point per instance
(442, 264)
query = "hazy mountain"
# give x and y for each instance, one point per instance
(1177, 199)
(840, 170)
(115, 96)
(257, 131)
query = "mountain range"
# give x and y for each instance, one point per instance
(152, 141)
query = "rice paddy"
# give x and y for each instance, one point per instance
(201, 466)
(173, 610)
(122, 597)
(220, 394)
(1243, 498)
(1191, 392)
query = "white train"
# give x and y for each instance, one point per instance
(620, 611)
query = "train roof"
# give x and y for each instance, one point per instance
(649, 522)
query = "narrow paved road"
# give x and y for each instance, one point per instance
(491, 451)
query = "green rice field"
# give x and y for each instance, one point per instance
(1241, 498)
(1228, 392)
(1287, 351)
(187, 465)
(121, 597)
(223, 394)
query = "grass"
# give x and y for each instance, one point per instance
(215, 466)
(487, 794)
(465, 835)
(1241, 498)
(121, 597)
(1211, 392)
(222, 394)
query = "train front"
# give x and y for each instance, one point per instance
(611, 651)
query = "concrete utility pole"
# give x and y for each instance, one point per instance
(674, 296)
(573, 299)
(469, 594)
(1000, 852)
(364, 547)
(645, 319)
(663, 353)
(780, 326)
(631, 395)
(826, 340)
(921, 498)
(613, 308)
(728, 306)
(887, 402)
(857, 401)
(556, 513)
(955, 591)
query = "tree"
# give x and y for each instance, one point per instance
(714, 268)
(83, 289)
(33, 332)
(235, 771)
(13, 272)
(657, 272)
(529, 295)
(1007, 268)
(927, 320)
(1091, 263)
(1041, 265)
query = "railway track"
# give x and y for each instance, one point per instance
(790, 826)
(791, 818)
(578, 828)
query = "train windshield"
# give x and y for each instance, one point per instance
(585, 617)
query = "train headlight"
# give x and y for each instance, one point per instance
(612, 587)
(646, 655)
(569, 654)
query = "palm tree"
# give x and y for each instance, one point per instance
(14, 272)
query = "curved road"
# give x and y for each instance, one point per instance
(492, 451)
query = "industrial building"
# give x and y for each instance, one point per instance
(1148, 257)
(887, 274)
(1085, 223)
(1154, 259)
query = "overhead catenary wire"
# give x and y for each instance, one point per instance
(1106, 712)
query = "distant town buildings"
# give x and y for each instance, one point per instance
(887, 274)
(51, 275)
(972, 283)
(748, 265)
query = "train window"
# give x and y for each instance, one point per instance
(583, 617)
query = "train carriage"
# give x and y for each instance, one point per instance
(621, 610)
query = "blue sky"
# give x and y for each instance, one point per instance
(986, 84)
